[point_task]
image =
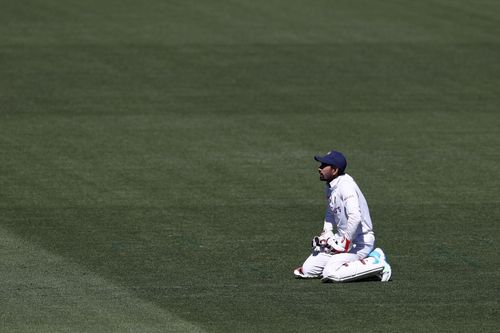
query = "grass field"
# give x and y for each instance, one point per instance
(156, 168)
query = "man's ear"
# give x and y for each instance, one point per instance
(335, 172)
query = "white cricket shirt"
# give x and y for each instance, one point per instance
(347, 211)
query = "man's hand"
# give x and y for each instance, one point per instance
(320, 243)
(315, 244)
(331, 243)
(325, 235)
(338, 244)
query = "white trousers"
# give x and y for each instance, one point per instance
(323, 264)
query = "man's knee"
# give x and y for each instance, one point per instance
(351, 271)
(310, 269)
(332, 273)
(314, 265)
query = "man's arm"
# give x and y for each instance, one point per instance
(353, 212)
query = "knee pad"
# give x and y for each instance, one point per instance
(354, 270)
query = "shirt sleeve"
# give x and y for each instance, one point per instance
(352, 211)
(327, 226)
(328, 222)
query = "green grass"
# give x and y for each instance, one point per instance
(156, 165)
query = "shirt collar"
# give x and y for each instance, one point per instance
(334, 182)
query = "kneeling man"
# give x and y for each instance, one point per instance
(345, 250)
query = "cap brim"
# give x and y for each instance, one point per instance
(320, 159)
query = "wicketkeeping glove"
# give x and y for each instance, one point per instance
(315, 244)
(338, 244)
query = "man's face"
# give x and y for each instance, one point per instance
(327, 173)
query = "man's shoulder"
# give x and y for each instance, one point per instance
(346, 182)
(346, 179)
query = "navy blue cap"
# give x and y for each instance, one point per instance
(334, 158)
